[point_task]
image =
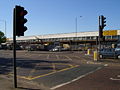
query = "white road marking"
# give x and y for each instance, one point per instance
(25, 54)
(53, 66)
(91, 62)
(114, 79)
(118, 75)
(81, 58)
(57, 86)
(39, 54)
(68, 57)
(106, 65)
(57, 57)
(48, 56)
(77, 57)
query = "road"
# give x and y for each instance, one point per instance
(107, 78)
(52, 69)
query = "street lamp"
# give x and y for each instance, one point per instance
(76, 30)
(76, 25)
(4, 25)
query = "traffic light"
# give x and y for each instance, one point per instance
(101, 25)
(20, 20)
(103, 21)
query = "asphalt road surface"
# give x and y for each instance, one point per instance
(107, 78)
(52, 69)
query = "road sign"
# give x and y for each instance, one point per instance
(110, 33)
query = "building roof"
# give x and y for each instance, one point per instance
(61, 35)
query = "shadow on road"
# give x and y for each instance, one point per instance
(28, 88)
(6, 64)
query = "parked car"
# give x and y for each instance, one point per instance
(106, 53)
(109, 53)
(57, 48)
(117, 52)
(35, 47)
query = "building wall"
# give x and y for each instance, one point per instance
(64, 35)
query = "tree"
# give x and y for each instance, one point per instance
(2, 37)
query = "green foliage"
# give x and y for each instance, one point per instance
(2, 37)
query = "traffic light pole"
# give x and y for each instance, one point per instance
(101, 27)
(18, 30)
(99, 34)
(14, 48)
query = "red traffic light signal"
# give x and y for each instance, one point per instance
(23, 12)
(19, 20)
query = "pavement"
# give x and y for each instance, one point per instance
(6, 83)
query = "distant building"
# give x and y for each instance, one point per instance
(111, 35)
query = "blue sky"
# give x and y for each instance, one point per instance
(58, 16)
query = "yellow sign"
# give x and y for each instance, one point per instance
(110, 33)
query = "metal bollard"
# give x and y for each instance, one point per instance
(95, 55)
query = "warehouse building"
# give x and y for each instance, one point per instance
(78, 38)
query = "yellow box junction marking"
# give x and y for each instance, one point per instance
(53, 71)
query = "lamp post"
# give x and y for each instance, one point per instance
(76, 30)
(76, 26)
